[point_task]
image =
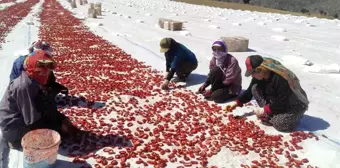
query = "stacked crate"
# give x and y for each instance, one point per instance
(73, 4)
(98, 8)
(169, 24)
(91, 11)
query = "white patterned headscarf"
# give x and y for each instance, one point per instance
(220, 56)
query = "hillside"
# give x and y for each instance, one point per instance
(331, 7)
(318, 8)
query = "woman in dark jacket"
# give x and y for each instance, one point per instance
(282, 102)
(52, 86)
(25, 106)
(179, 60)
(224, 77)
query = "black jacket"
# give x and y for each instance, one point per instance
(276, 92)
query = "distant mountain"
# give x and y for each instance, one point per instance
(325, 7)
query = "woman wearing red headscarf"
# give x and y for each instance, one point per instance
(19, 65)
(25, 105)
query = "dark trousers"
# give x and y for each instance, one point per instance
(219, 91)
(51, 117)
(184, 69)
(286, 121)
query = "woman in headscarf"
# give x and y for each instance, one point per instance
(19, 65)
(26, 107)
(179, 60)
(282, 102)
(224, 77)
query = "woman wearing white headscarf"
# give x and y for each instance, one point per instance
(224, 77)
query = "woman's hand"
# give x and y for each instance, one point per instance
(165, 85)
(202, 88)
(259, 111)
(231, 106)
(68, 128)
(71, 131)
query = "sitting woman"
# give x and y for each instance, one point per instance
(51, 85)
(26, 107)
(282, 102)
(224, 77)
(19, 63)
(179, 60)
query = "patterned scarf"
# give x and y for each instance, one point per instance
(293, 81)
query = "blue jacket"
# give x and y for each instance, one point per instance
(178, 54)
(17, 67)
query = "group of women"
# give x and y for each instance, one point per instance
(28, 102)
(277, 91)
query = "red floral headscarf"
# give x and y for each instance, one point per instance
(39, 66)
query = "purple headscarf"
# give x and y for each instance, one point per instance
(220, 56)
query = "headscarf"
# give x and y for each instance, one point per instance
(293, 81)
(41, 45)
(38, 45)
(39, 66)
(220, 56)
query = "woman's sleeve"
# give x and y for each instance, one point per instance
(231, 72)
(247, 95)
(26, 103)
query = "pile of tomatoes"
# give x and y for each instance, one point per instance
(6, 1)
(12, 15)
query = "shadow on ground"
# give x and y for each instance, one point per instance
(63, 163)
(195, 79)
(71, 101)
(251, 50)
(311, 123)
(232, 98)
(90, 143)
